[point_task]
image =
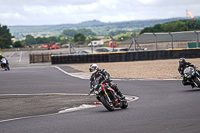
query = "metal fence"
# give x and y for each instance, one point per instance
(161, 41)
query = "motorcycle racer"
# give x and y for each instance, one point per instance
(1, 59)
(102, 76)
(4, 63)
(182, 65)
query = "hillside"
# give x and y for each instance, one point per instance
(100, 28)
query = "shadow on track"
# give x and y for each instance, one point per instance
(192, 90)
(116, 110)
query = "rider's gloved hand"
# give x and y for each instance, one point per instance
(91, 90)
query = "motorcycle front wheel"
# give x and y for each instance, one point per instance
(108, 105)
(8, 67)
(197, 81)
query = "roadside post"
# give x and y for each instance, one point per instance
(171, 40)
(197, 39)
(69, 45)
(112, 43)
(155, 40)
(134, 42)
(91, 45)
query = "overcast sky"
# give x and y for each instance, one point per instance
(46, 12)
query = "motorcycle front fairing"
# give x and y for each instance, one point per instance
(110, 92)
(105, 90)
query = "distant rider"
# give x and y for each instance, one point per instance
(1, 57)
(182, 65)
(101, 76)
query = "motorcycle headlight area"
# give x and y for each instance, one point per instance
(99, 90)
(193, 73)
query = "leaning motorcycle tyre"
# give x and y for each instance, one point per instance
(197, 81)
(109, 106)
(124, 104)
(8, 67)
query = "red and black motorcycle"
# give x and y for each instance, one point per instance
(108, 97)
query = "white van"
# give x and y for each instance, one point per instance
(96, 43)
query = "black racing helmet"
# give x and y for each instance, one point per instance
(182, 61)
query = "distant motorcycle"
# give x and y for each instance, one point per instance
(5, 64)
(106, 95)
(192, 76)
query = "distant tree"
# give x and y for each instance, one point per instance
(117, 32)
(30, 40)
(157, 28)
(86, 32)
(5, 37)
(122, 37)
(69, 32)
(17, 44)
(53, 38)
(79, 38)
(111, 33)
(39, 40)
(72, 32)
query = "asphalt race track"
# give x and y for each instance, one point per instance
(164, 106)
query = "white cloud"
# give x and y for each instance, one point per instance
(36, 12)
(147, 1)
(11, 15)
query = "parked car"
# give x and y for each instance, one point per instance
(120, 49)
(52, 46)
(55, 47)
(65, 45)
(105, 49)
(108, 49)
(85, 52)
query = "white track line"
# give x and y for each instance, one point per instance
(20, 58)
(69, 73)
(80, 75)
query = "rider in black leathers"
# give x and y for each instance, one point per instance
(182, 65)
(101, 76)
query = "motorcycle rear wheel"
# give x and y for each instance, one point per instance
(124, 104)
(109, 106)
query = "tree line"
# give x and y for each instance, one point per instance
(75, 37)
(174, 26)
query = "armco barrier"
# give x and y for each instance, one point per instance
(125, 56)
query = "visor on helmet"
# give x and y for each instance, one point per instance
(92, 68)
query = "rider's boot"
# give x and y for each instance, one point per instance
(117, 91)
(121, 95)
(192, 85)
